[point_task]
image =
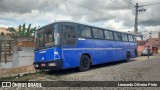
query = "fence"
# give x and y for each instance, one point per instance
(15, 55)
(6, 50)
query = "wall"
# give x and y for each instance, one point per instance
(140, 48)
(20, 58)
(23, 58)
(155, 41)
(4, 65)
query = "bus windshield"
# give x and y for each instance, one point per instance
(48, 36)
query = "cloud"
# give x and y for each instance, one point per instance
(117, 25)
(24, 6)
(114, 16)
(5, 26)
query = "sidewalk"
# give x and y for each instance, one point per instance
(19, 71)
(146, 57)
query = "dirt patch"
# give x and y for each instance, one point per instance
(17, 70)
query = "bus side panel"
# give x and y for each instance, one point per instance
(57, 53)
(133, 47)
(108, 53)
(70, 58)
(112, 51)
(117, 51)
(125, 49)
(72, 54)
(89, 48)
(99, 48)
(128, 48)
(122, 51)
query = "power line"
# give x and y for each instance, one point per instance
(128, 2)
(151, 4)
(94, 10)
(89, 8)
(120, 3)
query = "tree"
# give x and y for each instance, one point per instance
(22, 31)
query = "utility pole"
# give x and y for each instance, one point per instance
(136, 17)
(136, 20)
(150, 34)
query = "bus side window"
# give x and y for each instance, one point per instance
(107, 36)
(73, 32)
(130, 38)
(111, 35)
(84, 31)
(88, 32)
(69, 35)
(117, 36)
(124, 37)
(97, 33)
(65, 30)
(134, 38)
(80, 31)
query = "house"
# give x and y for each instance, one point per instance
(4, 30)
(141, 46)
(152, 43)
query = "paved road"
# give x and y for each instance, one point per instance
(139, 69)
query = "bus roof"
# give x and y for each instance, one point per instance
(83, 24)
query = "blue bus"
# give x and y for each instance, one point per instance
(63, 45)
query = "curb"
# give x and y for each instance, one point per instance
(13, 75)
(22, 74)
(32, 72)
(5, 76)
(37, 71)
(19, 74)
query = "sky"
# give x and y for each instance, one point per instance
(102, 13)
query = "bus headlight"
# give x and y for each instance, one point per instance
(35, 65)
(51, 64)
(56, 53)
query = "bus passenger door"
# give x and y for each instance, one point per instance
(69, 40)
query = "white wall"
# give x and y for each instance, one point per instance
(25, 58)
(21, 58)
(4, 65)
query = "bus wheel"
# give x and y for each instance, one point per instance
(84, 63)
(128, 56)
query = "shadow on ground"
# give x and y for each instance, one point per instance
(62, 72)
(75, 70)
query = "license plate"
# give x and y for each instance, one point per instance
(43, 65)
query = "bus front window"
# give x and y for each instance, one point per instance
(48, 36)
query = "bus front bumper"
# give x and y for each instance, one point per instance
(48, 65)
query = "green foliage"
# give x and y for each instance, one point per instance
(22, 31)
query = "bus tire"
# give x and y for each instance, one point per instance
(84, 63)
(128, 56)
